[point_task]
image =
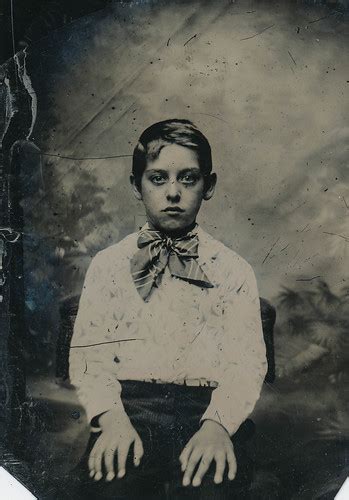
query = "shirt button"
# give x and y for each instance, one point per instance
(116, 360)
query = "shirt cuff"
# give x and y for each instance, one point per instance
(97, 394)
(212, 413)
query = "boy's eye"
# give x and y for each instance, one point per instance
(189, 179)
(157, 179)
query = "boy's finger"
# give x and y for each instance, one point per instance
(91, 464)
(98, 465)
(109, 463)
(202, 469)
(122, 457)
(184, 456)
(93, 459)
(98, 476)
(220, 466)
(192, 463)
(138, 451)
(232, 464)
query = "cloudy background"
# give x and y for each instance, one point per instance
(268, 86)
(267, 83)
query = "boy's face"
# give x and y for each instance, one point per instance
(172, 189)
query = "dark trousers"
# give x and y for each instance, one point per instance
(166, 416)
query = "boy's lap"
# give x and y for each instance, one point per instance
(165, 425)
(159, 475)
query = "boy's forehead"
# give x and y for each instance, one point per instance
(174, 155)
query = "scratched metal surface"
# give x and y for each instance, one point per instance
(267, 83)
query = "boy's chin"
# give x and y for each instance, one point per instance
(174, 226)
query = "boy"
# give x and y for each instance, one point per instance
(167, 355)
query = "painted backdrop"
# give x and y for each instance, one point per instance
(267, 83)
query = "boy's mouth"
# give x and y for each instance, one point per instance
(173, 209)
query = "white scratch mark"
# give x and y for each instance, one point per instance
(10, 107)
(25, 79)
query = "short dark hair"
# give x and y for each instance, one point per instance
(174, 131)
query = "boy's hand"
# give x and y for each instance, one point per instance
(118, 434)
(211, 442)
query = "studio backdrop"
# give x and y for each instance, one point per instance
(267, 83)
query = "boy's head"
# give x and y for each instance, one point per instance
(171, 174)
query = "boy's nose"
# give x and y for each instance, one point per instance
(173, 191)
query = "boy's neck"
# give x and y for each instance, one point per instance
(176, 233)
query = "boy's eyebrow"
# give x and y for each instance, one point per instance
(156, 171)
(190, 169)
(163, 171)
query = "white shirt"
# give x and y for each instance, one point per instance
(183, 332)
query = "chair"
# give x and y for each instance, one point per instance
(268, 315)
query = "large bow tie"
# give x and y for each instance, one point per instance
(156, 251)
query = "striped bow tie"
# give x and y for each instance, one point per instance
(156, 251)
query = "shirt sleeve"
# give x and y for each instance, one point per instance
(243, 363)
(92, 368)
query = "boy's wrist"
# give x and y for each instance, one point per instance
(116, 417)
(108, 417)
(95, 420)
(213, 425)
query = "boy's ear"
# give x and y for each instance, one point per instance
(210, 185)
(135, 188)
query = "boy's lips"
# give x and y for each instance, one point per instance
(173, 209)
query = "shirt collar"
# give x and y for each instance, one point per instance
(196, 229)
(208, 250)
